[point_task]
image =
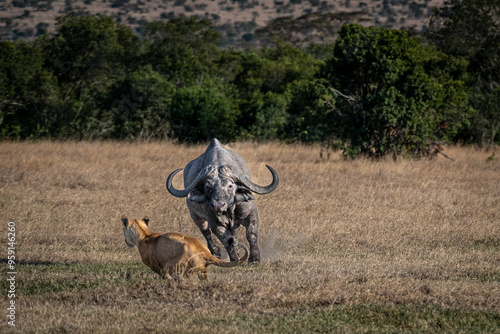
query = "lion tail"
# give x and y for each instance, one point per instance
(220, 263)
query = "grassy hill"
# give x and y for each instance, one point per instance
(241, 22)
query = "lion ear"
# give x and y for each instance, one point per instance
(124, 220)
(146, 220)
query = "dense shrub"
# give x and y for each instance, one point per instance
(388, 102)
(28, 92)
(375, 91)
(471, 29)
(201, 112)
(139, 108)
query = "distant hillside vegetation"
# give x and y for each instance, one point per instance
(242, 23)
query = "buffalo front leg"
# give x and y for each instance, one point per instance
(252, 237)
(205, 230)
(247, 216)
(226, 237)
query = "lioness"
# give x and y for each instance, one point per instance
(171, 253)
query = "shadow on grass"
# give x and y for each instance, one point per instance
(35, 278)
(31, 263)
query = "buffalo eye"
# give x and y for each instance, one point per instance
(208, 189)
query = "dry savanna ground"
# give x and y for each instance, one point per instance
(347, 246)
(18, 17)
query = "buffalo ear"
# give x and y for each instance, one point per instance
(243, 195)
(146, 220)
(197, 195)
(125, 220)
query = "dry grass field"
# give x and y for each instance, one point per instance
(347, 246)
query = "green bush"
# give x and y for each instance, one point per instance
(471, 29)
(387, 102)
(311, 113)
(87, 56)
(184, 50)
(380, 92)
(139, 106)
(28, 92)
(199, 113)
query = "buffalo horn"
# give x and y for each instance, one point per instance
(185, 192)
(262, 190)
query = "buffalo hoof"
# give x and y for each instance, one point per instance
(216, 252)
(254, 259)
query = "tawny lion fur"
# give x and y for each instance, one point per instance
(172, 253)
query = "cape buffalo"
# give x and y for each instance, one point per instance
(218, 190)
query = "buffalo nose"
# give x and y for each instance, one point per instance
(218, 206)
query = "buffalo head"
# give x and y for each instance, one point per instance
(221, 187)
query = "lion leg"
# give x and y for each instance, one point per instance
(178, 272)
(164, 274)
(202, 275)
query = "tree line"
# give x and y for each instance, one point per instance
(374, 92)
